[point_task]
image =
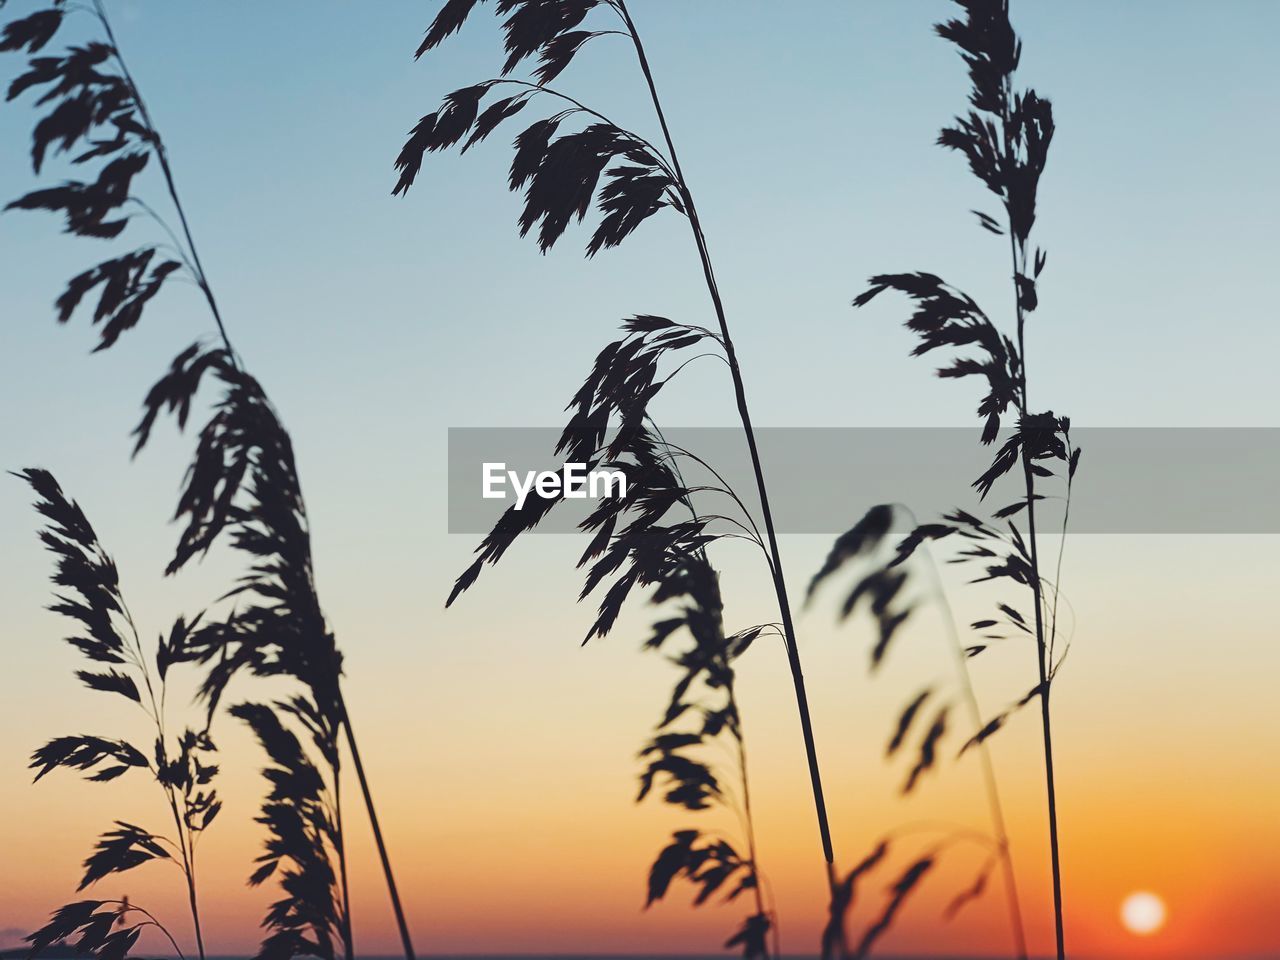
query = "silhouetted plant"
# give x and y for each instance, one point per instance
(90, 595)
(635, 544)
(1005, 137)
(304, 820)
(703, 704)
(571, 158)
(105, 929)
(243, 479)
(883, 586)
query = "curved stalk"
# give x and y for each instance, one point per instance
(202, 282)
(188, 871)
(127, 907)
(402, 927)
(749, 820)
(1045, 720)
(746, 817)
(739, 389)
(1018, 258)
(348, 942)
(186, 842)
(994, 804)
(163, 157)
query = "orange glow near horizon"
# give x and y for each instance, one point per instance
(508, 805)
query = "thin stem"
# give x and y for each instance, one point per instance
(995, 807)
(1042, 663)
(185, 844)
(163, 224)
(724, 487)
(746, 809)
(1066, 649)
(746, 819)
(162, 155)
(127, 907)
(1045, 719)
(671, 376)
(746, 533)
(188, 870)
(579, 105)
(1057, 574)
(1018, 257)
(202, 281)
(779, 583)
(348, 941)
(191, 897)
(739, 736)
(403, 927)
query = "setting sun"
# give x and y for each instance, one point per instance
(1142, 913)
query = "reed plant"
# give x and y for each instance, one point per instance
(571, 158)
(641, 539)
(892, 588)
(89, 594)
(1005, 138)
(243, 489)
(242, 484)
(702, 711)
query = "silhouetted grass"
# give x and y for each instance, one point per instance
(882, 587)
(243, 480)
(303, 816)
(703, 707)
(243, 483)
(571, 158)
(90, 595)
(1005, 138)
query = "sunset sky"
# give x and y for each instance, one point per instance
(501, 752)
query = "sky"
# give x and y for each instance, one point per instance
(502, 752)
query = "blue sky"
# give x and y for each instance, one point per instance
(807, 133)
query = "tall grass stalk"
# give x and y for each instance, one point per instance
(109, 639)
(561, 175)
(883, 585)
(1005, 137)
(740, 398)
(707, 689)
(991, 784)
(244, 478)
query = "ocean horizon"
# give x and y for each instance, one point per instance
(787, 956)
(64, 952)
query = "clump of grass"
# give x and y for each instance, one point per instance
(884, 587)
(303, 814)
(1005, 138)
(638, 544)
(703, 707)
(704, 694)
(571, 158)
(106, 929)
(89, 594)
(243, 481)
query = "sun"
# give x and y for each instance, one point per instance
(1142, 913)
